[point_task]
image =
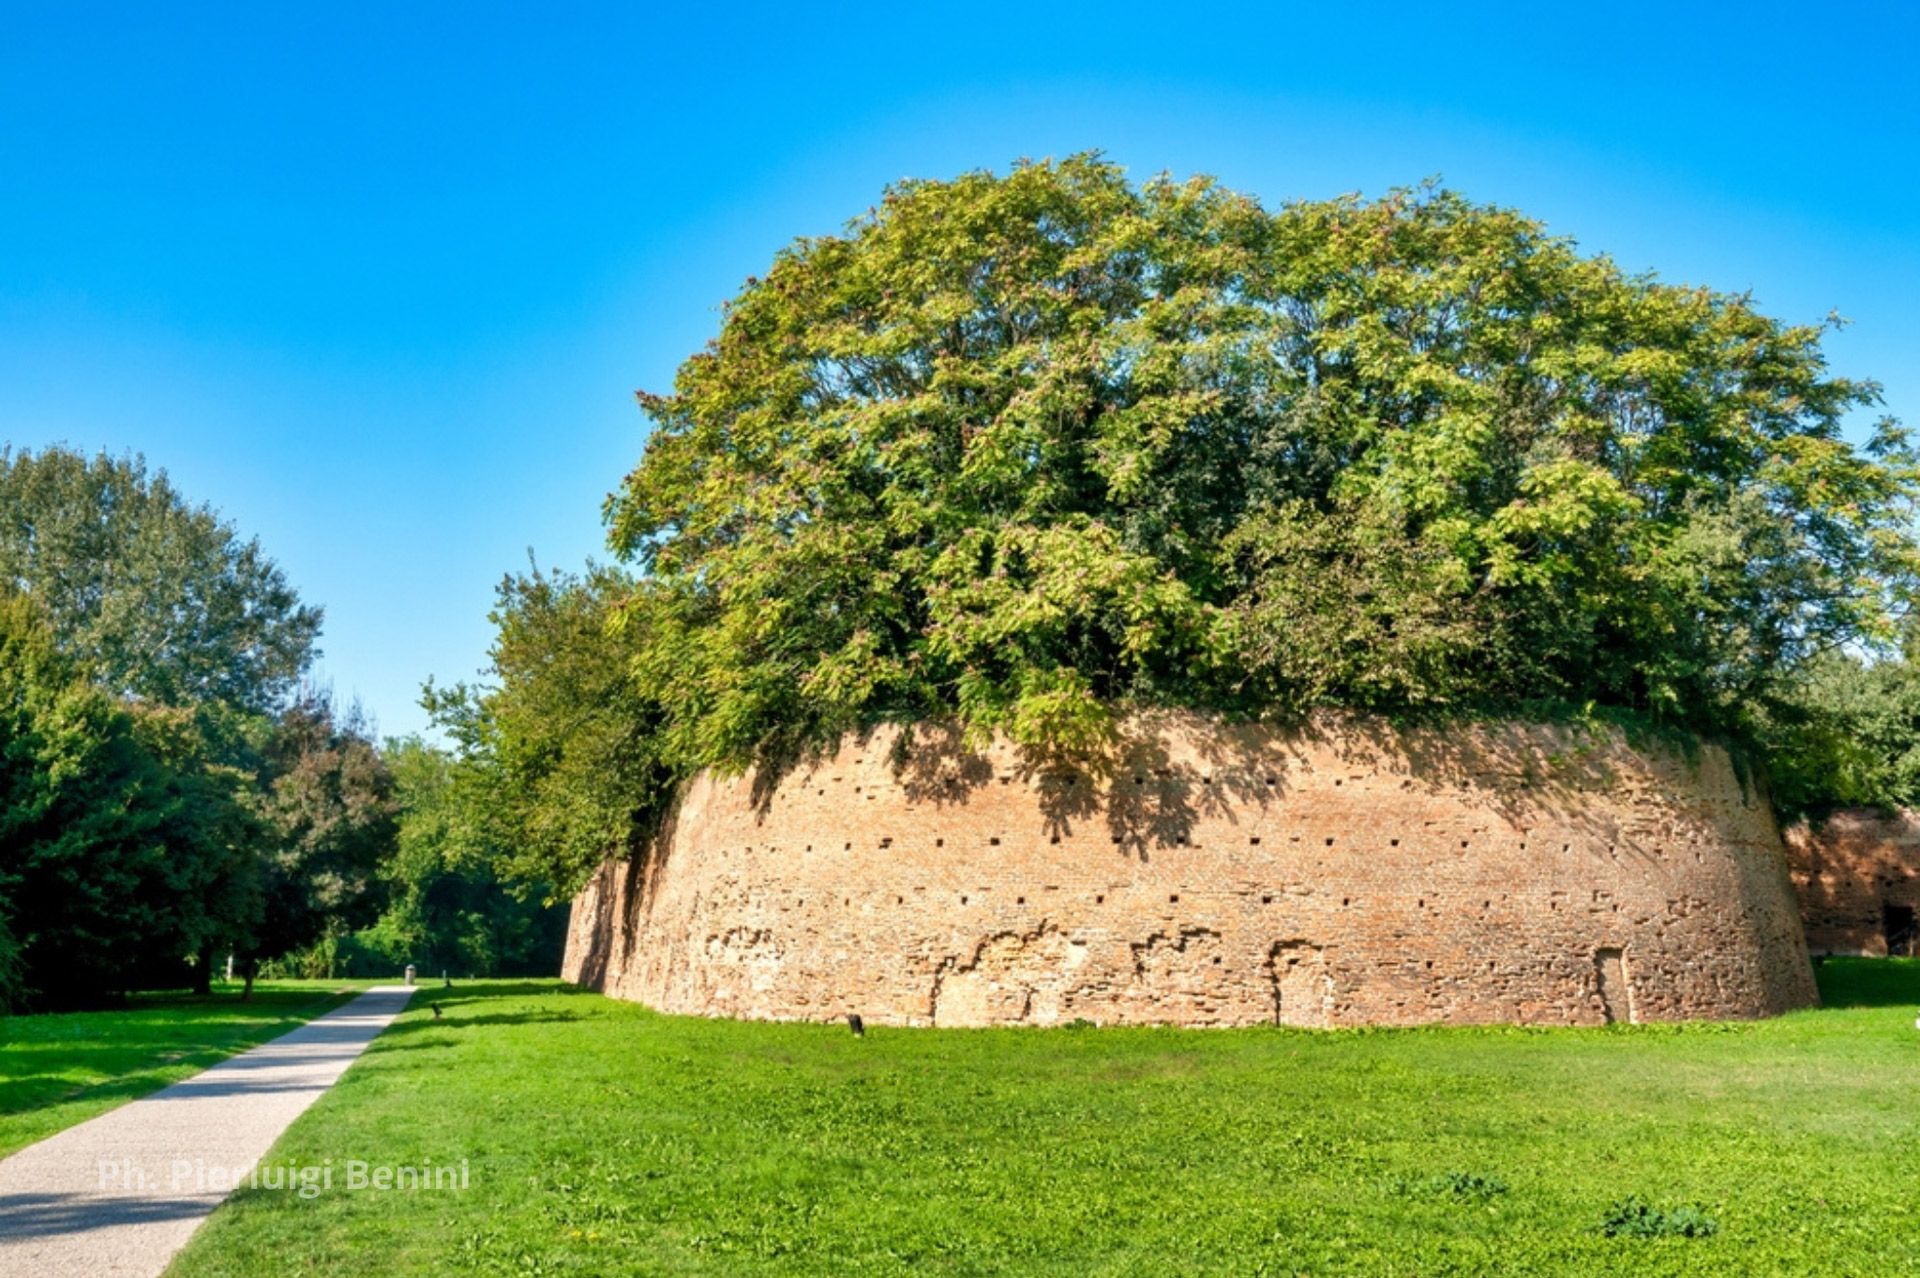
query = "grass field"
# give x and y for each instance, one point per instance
(58, 1070)
(604, 1139)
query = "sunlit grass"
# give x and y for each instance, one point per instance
(605, 1139)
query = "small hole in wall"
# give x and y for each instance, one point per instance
(899, 900)
(1100, 898)
(963, 899)
(848, 901)
(1429, 965)
(1273, 781)
(849, 847)
(1566, 847)
(994, 841)
(1139, 780)
(1019, 900)
(1254, 841)
(1174, 899)
(1346, 900)
(939, 843)
(1116, 838)
(1463, 843)
(1266, 900)
(1216, 960)
(1054, 839)
(1329, 842)
(1336, 780)
(1420, 904)
(1393, 843)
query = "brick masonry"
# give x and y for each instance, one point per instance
(1854, 873)
(1212, 875)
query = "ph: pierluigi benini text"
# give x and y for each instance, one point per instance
(309, 1180)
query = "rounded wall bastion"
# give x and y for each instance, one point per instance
(1350, 873)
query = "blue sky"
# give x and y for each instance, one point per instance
(378, 281)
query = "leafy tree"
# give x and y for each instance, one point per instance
(112, 857)
(1848, 734)
(331, 818)
(559, 754)
(1022, 449)
(448, 907)
(156, 597)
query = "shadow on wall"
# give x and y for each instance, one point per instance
(1148, 796)
(625, 886)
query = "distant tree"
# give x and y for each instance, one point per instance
(448, 906)
(559, 757)
(157, 597)
(330, 815)
(1848, 734)
(1020, 450)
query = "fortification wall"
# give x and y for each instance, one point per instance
(1857, 876)
(1217, 876)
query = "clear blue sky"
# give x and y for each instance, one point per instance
(378, 281)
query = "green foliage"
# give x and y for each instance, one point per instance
(1463, 1186)
(1632, 1218)
(1847, 734)
(118, 849)
(1022, 449)
(448, 909)
(560, 754)
(156, 597)
(332, 816)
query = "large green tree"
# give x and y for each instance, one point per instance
(1022, 449)
(158, 597)
(559, 752)
(121, 850)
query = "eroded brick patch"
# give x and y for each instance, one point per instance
(1217, 876)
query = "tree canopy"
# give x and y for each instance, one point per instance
(1023, 449)
(157, 597)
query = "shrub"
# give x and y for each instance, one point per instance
(1632, 1217)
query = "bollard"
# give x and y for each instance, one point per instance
(409, 973)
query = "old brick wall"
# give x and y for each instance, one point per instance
(1847, 870)
(1219, 876)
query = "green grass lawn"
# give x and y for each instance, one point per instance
(604, 1139)
(60, 1069)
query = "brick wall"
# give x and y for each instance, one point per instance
(1216, 876)
(1848, 870)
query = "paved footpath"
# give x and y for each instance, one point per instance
(118, 1195)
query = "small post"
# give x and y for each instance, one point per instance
(409, 973)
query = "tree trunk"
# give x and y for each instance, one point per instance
(248, 969)
(203, 971)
